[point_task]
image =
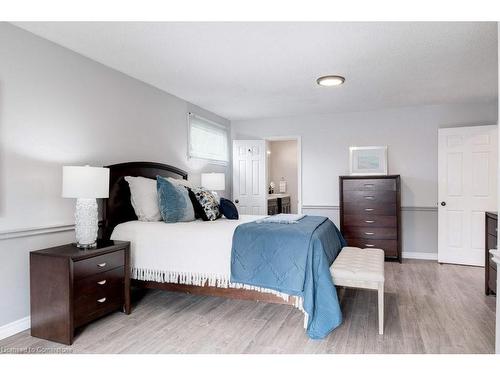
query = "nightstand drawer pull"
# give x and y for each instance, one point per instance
(369, 233)
(369, 209)
(102, 300)
(369, 221)
(369, 245)
(371, 197)
(101, 282)
(101, 265)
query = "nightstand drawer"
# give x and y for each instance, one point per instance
(102, 263)
(99, 282)
(99, 303)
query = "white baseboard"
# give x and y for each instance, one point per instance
(417, 255)
(12, 328)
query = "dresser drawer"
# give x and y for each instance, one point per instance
(370, 184)
(102, 263)
(377, 233)
(390, 247)
(492, 282)
(99, 303)
(491, 262)
(370, 196)
(492, 226)
(98, 282)
(492, 242)
(371, 208)
(368, 220)
(285, 200)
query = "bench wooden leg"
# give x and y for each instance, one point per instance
(381, 309)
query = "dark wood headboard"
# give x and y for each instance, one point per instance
(117, 208)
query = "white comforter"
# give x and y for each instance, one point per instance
(189, 253)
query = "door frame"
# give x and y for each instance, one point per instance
(297, 138)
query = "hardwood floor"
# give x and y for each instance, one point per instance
(430, 308)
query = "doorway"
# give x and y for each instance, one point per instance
(283, 175)
(467, 171)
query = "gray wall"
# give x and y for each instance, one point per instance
(59, 108)
(411, 135)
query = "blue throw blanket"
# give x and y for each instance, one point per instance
(293, 259)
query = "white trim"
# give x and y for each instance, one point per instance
(10, 329)
(34, 231)
(298, 139)
(419, 255)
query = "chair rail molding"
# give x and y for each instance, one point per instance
(34, 231)
(403, 208)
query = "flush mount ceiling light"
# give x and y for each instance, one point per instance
(331, 80)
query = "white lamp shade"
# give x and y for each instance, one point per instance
(213, 181)
(85, 182)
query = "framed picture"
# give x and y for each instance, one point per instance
(368, 160)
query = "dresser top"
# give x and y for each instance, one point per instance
(371, 176)
(75, 253)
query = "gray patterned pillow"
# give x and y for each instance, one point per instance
(210, 208)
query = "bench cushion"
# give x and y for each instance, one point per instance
(358, 264)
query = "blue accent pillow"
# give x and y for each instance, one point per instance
(228, 209)
(173, 201)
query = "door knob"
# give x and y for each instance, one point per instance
(236, 201)
(443, 204)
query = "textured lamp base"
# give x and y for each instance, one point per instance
(86, 223)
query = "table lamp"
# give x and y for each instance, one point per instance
(85, 184)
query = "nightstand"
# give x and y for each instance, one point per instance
(70, 287)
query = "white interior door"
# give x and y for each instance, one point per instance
(249, 176)
(467, 169)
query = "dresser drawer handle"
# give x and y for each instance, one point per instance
(368, 185)
(102, 300)
(100, 265)
(102, 282)
(369, 221)
(370, 197)
(369, 245)
(369, 209)
(369, 233)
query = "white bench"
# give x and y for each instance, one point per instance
(361, 268)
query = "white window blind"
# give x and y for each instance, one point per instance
(207, 140)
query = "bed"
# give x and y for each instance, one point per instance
(118, 213)
(243, 259)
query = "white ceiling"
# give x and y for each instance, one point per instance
(255, 70)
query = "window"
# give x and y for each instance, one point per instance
(207, 140)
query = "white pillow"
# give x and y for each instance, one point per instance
(144, 198)
(181, 181)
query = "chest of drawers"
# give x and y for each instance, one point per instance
(490, 267)
(70, 287)
(370, 212)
